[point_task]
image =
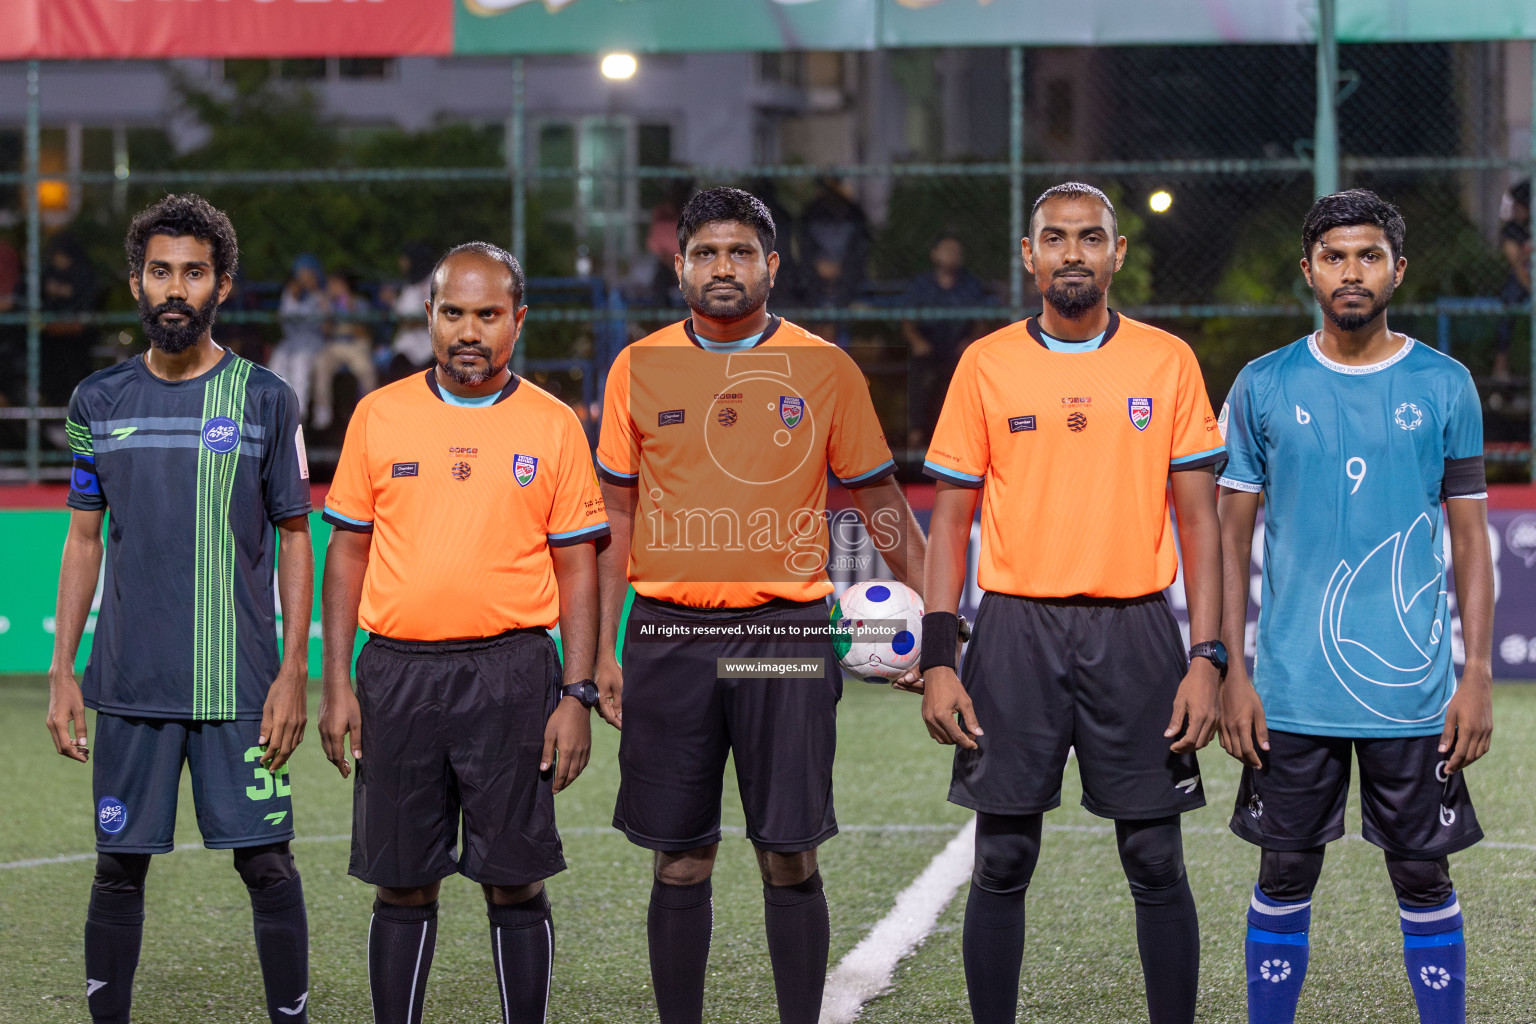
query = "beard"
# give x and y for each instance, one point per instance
(464, 376)
(1354, 321)
(726, 304)
(174, 338)
(1073, 301)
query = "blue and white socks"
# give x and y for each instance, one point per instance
(1276, 951)
(1435, 953)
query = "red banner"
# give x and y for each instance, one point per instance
(73, 29)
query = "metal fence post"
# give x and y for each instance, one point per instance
(1325, 141)
(1530, 174)
(518, 160)
(30, 178)
(1016, 179)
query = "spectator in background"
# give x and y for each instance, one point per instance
(348, 343)
(661, 243)
(411, 350)
(302, 309)
(834, 250)
(68, 286)
(1515, 244)
(935, 345)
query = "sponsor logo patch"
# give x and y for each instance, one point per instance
(524, 467)
(1018, 423)
(1221, 421)
(726, 417)
(460, 471)
(1408, 416)
(1076, 422)
(669, 418)
(221, 435)
(404, 469)
(111, 815)
(1140, 410)
(791, 410)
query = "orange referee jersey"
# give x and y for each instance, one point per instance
(1074, 444)
(730, 452)
(464, 505)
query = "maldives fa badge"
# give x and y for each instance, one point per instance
(1141, 412)
(791, 410)
(523, 469)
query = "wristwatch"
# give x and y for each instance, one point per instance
(584, 691)
(1213, 651)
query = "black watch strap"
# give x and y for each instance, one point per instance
(1213, 651)
(585, 691)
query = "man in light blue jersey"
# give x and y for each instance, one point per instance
(1356, 436)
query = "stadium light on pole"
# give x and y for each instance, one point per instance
(1160, 201)
(619, 67)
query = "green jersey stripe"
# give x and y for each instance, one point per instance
(214, 625)
(79, 438)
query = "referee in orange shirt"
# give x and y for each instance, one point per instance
(718, 435)
(463, 512)
(1075, 423)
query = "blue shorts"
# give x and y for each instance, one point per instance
(137, 775)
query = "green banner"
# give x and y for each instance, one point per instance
(29, 564)
(661, 26)
(1369, 21)
(1091, 22)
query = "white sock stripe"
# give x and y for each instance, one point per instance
(372, 1015)
(501, 980)
(411, 1002)
(1426, 916)
(549, 980)
(1274, 911)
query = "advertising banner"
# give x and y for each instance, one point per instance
(661, 26)
(1092, 22)
(238, 28)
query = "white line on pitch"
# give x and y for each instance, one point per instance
(867, 969)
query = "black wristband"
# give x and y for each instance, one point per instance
(941, 640)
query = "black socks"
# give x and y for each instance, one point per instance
(799, 932)
(401, 941)
(114, 932)
(678, 928)
(282, 945)
(522, 952)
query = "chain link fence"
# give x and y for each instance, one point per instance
(1208, 152)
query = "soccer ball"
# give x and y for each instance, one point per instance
(877, 660)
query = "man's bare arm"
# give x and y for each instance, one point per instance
(1243, 729)
(1197, 706)
(893, 529)
(568, 734)
(286, 711)
(1469, 716)
(341, 592)
(79, 569)
(613, 588)
(949, 534)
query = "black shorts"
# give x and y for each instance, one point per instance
(1092, 674)
(136, 777)
(681, 722)
(449, 728)
(1409, 806)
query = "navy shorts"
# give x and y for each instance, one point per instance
(136, 776)
(453, 732)
(681, 723)
(1094, 675)
(1409, 805)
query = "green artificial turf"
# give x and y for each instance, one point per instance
(199, 961)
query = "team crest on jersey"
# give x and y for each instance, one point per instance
(1221, 421)
(1408, 416)
(111, 815)
(791, 410)
(524, 467)
(221, 435)
(1141, 412)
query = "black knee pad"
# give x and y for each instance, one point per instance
(1420, 883)
(1007, 849)
(262, 867)
(1151, 852)
(1289, 876)
(121, 872)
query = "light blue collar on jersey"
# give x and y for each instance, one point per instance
(1357, 371)
(469, 403)
(1057, 345)
(740, 345)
